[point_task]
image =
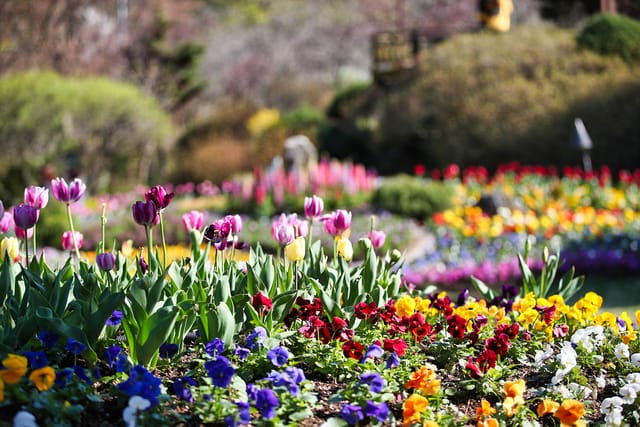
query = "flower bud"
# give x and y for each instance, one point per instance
(25, 216)
(377, 238)
(6, 222)
(294, 251)
(344, 247)
(106, 261)
(10, 246)
(145, 213)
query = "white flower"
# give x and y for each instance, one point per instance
(611, 404)
(130, 413)
(635, 359)
(540, 356)
(633, 378)
(621, 351)
(601, 381)
(628, 393)
(24, 419)
(614, 419)
(579, 391)
(589, 338)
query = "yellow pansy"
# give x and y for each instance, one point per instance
(405, 306)
(43, 378)
(15, 368)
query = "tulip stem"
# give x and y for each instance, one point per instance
(103, 222)
(147, 231)
(73, 232)
(34, 239)
(164, 244)
(26, 248)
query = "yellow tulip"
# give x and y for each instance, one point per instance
(11, 246)
(294, 251)
(344, 247)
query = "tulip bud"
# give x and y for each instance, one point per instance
(106, 261)
(144, 267)
(294, 251)
(344, 247)
(341, 220)
(377, 238)
(67, 240)
(6, 222)
(10, 246)
(313, 206)
(236, 223)
(25, 216)
(193, 220)
(396, 255)
(145, 213)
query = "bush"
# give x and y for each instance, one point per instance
(109, 133)
(488, 99)
(614, 35)
(411, 196)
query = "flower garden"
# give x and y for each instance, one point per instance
(333, 327)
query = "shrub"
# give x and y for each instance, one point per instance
(411, 196)
(488, 99)
(615, 35)
(109, 132)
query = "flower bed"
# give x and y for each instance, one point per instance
(592, 221)
(297, 338)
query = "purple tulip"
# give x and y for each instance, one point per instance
(159, 196)
(67, 240)
(106, 261)
(68, 193)
(25, 216)
(38, 197)
(192, 220)
(341, 220)
(313, 206)
(144, 267)
(145, 213)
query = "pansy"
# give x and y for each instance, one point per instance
(278, 356)
(266, 403)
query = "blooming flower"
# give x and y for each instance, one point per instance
(181, 389)
(130, 413)
(38, 197)
(142, 383)
(569, 411)
(351, 413)
(37, 359)
(6, 222)
(110, 355)
(15, 368)
(266, 403)
(115, 319)
(547, 406)
(256, 338)
(412, 409)
(159, 196)
(47, 338)
(278, 356)
(43, 378)
(344, 248)
(74, 346)
(261, 302)
(374, 351)
(10, 246)
(379, 411)
(373, 380)
(168, 350)
(424, 380)
(67, 240)
(214, 347)
(68, 193)
(24, 419)
(220, 371)
(241, 417)
(377, 238)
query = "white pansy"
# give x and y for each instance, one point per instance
(621, 351)
(611, 404)
(589, 338)
(628, 393)
(633, 378)
(579, 391)
(130, 413)
(601, 381)
(540, 356)
(614, 419)
(635, 359)
(24, 419)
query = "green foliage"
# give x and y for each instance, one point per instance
(346, 97)
(411, 196)
(489, 99)
(614, 35)
(107, 131)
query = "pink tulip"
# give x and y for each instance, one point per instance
(38, 197)
(193, 220)
(377, 238)
(67, 240)
(6, 222)
(68, 193)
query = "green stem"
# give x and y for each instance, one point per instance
(34, 239)
(26, 248)
(164, 244)
(147, 231)
(73, 232)
(103, 222)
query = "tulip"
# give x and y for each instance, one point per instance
(145, 213)
(38, 197)
(68, 193)
(284, 234)
(313, 206)
(10, 246)
(106, 261)
(341, 220)
(294, 251)
(21, 233)
(6, 222)
(159, 196)
(377, 238)
(68, 239)
(236, 223)
(192, 220)
(344, 248)
(25, 216)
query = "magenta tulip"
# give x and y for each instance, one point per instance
(192, 220)
(68, 193)
(341, 220)
(38, 197)
(67, 240)
(21, 233)
(159, 196)
(6, 222)
(236, 223)
(313, 206)
(377, 238)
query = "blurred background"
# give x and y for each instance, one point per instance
(151, 91)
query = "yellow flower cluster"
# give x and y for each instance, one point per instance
(15, 368)
(262, 120)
